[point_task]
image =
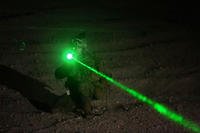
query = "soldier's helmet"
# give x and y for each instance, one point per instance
(79, 43)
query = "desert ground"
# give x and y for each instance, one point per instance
(158, 58)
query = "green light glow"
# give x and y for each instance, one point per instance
(69, 56)
(163, 110)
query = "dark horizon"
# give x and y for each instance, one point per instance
(175, 10)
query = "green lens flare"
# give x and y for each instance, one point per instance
(69, 56)
(163, 110)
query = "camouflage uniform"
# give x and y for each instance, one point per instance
(83, 84)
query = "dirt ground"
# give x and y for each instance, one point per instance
(157, 58)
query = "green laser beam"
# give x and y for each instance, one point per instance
(163, 110)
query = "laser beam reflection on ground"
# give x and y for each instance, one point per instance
(162, 109)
